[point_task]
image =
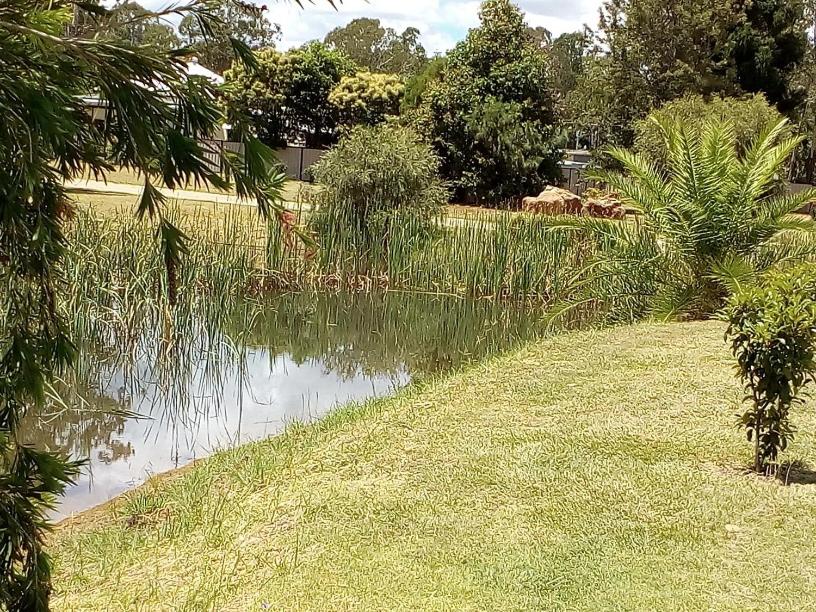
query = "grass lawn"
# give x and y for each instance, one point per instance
(293, 192)
(293, 189)
(114, 205)
(197, 211)
(592, 471)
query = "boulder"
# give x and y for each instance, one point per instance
(604, 205)
(553, 201)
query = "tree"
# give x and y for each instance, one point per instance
(125, 21)
(418, 84)
(253, 29)
(711, 222)
(772, 329)
(46, 139)
(367, 98)
(595, 110)
(567, 54)
(657, 51)
(131, 22)
(516, 154)
(541, 36)
(803, 169)
(767, 46)
(377, 49)
(496, 79)
(287, 94)
(748, 116)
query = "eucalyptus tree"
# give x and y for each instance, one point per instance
(252, 28)
(154, 114)
(379, 49)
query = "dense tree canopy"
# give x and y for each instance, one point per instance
(418, 84)
(766, 45)
(567, 54)
(367, 98)
(213, 49)
(287, 94)
(378, 49)
(658, 51)
(491, 114)
(131, 22)
(649, 52)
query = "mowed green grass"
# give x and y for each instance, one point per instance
(591, 471)
(293, 190)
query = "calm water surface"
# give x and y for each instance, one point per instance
(148, 410)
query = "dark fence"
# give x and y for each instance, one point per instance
(297, 161)
(214, 151)
(575, 179)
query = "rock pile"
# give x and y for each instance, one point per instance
(553, 201)
(603, 205)
(556, 201)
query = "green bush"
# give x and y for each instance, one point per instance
(286, 95)
(373, 179)
(772, 329)
(748, 116)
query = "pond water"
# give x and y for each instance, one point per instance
(291, 358)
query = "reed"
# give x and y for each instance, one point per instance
(114, 263)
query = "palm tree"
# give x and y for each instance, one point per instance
(707, 222)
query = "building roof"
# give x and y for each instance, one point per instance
(193, 69)
(196, 69)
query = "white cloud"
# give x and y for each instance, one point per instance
(442, 22)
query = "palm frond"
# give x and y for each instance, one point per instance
(652, 188)
(733, 271)
(786, 249)
(764, 161)
(673, 302)
(684, 162)
(779, 206)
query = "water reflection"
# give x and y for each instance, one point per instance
(293, 358)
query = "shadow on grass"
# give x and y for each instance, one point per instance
(796, 472)
(97, 192)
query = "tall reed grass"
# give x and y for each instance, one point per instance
(116, 262)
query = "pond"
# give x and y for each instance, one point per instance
(149, 409)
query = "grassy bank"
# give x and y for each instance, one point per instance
(592, 471)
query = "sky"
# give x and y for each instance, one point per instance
(442, 22)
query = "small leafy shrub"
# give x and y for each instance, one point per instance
(375, 181)
(772, 329)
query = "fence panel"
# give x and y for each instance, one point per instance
(575, 179)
